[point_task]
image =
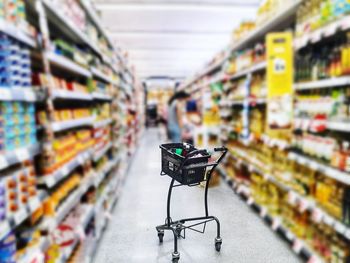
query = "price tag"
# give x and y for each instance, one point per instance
(330, 29)
(328, 220)
(301, 160)
(316, 36)
(65, 170)
(80, 159)
(340, 228)
(263, 212)
(250, 201)
(276, 224)
(347, 234)
(313, 165)
(297, 246)
(34, 204)
(50, 181)
(317, 215)
(303, 205)
(20, 216)
(81, 232)
(292, 156)
(5, 94)
(289, 236)
(292, 198)
(22, 154)
(29, 95)
(3, 162)
(345, 23)
(4, 229)
(314, 259)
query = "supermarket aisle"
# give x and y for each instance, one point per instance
(131, 235)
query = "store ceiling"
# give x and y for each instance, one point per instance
(173, 38)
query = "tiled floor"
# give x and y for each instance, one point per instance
(131, 235)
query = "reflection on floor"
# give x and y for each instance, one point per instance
(131, 235)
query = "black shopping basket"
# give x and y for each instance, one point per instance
(188, 166)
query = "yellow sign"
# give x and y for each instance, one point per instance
(279, 81)
(279, 64)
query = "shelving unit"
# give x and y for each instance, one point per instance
(75, 105)
(282, 174)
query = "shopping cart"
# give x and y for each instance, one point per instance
(188, 166)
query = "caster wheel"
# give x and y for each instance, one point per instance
(218, 242)
(176, 257)
(160, 236)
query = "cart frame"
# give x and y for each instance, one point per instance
(179, 226)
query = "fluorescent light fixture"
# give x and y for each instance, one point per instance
(234, 8)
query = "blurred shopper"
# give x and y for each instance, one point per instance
(175, 115)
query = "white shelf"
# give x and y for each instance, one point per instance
(101, 96)
(102, 123)
(317, 35)
(50, 223)
(51, 180)
(59, 19)
(100, 153)
(11, 30)
(70, 95)
(105, 170)
(65, 63)
(20, 216)
(18, 94)
(66, 125)
(19, 155)
(321, 84)
(255, 68)
(331, 172)
(99, 74)
(287, 13)
(338, 126)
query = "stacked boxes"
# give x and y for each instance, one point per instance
(17, 188)
(14, 63)
(17, 125)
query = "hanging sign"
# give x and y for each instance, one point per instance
(280, 80)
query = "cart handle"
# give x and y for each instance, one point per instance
(189, 155)
(222, 149)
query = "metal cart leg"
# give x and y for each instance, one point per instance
(168, 218)
(176, 254)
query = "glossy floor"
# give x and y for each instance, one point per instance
(131, 235)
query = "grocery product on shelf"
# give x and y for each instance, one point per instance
(18, 125)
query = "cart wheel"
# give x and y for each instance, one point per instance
(176, 257)
(160, 236)
(218, 242)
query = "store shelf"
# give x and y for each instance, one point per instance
(67, 64)
(333, 173)
(13, 31)
(36, 252)
(87, 216)
(100, 75)
(103, 123)
(341, 24)
(51, 180)
(50, 223)
(321, 84)
(86, 4)
(287, 13)
(103, 151)
(101, 175)
(9, 158)
(343, 126)
(255, 68)
(20, 216)
(298, 246)
(56, 17)
(101, 96)
(70, 95)
(67, 252)
(66, 125)
(19, 94)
